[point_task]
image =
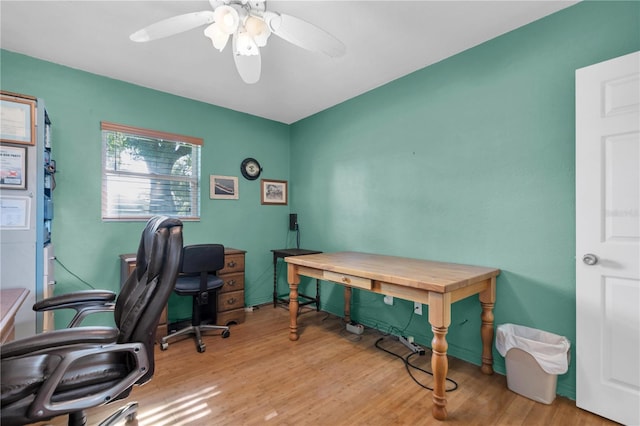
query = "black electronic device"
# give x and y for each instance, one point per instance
(293, 222)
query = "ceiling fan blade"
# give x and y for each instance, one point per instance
(174, 25)
(303, 34)
(249, 67)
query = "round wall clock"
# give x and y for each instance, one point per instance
(250, 168)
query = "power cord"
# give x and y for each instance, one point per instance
(408, 365)
(289, 237)
(73, 274)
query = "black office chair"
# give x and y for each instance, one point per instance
(65, 372)
(198, 279)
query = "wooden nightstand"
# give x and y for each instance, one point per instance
(230, 296)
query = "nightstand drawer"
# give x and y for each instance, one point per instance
(232, 263)
(230, 300)
(232, 282)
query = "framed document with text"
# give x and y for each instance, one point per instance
(13, 167)
(17, 120)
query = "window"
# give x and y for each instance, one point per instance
(147, 173)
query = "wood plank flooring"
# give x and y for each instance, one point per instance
(328, 377)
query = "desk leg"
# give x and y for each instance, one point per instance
(294, 281)
(440, 319)
(275, 280)
(347, 304)
(487, 300)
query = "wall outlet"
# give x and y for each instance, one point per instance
(417, 308)
(388, 300)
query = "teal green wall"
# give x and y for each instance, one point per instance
(78, 102)
(470, 160)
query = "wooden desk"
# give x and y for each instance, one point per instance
(436, 284)
(10, 301)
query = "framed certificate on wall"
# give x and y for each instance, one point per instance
(17, 120)
(13, 167)
(15, 212)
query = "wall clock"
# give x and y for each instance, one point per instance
(250, 168)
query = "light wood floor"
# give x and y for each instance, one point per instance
(328, 377)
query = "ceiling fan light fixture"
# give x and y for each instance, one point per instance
(245, 45)
(272, 20)
(227, 19)
(258, 29)
(218, 37)
(250, 25)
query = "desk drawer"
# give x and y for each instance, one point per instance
(349, 280)
(232, 282)
(230, 300)
(232, 263)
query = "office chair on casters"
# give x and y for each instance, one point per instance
(198, 279)
(65, 372)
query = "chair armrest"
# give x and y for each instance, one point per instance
(83, 302)
(70, 300)
(59, 338)
(43, 406)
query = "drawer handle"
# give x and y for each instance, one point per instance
(231, 264)
(231, 301)
(231, 283)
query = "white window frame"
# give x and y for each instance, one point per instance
(194, 180)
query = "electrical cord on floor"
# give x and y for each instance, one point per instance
(408, 365)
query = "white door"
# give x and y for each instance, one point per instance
(608, 239)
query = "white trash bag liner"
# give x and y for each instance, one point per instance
(550, 350)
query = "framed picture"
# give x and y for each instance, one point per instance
(13, 167)
(15, 212)
(223, 187)
(273, 192)
(17, 120)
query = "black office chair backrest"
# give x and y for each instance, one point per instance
(199, 258)
(67, 371)
(146, 292)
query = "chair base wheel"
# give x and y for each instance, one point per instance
(226, 334)
(201, 348)
(164, 346)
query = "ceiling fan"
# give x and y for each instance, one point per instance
(249, 25)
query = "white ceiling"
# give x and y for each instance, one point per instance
(385, 40)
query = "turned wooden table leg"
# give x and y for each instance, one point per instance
(486, 331)
(487, 300)
(440, 319)
(347, 304)
(294, 281)
(440, 367)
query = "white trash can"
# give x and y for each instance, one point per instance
(534, 358)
